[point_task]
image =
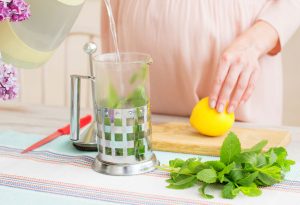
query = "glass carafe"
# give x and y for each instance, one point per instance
(122, 112)
(30, 43)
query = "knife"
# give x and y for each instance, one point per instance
(62, 131)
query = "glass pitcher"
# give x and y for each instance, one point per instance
(30, 43)
(122, 112)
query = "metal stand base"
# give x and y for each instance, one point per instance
(87, 141)
(125, 169)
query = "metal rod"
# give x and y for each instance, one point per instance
(75, 107)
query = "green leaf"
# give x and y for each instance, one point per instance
(176, 163)
(269, 175)
(271, 157)
(258, 147)
(237, 174)
(196, 166)
(178, 177)
(249, 179)
(207, 175)
(227, 191)
(261, 160)
(185, 181)
(246, 157)
(113, 97)
(251, 190)
(133, 78)
(285, 166)
(216, 165)
(231, 147)
(138, 97)
(226, 170)
(141, 74)
(202, 192)
(281, 160)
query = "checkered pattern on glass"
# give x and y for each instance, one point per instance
(125, 131)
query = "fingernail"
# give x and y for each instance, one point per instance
(220, 108)
(212, 104)
(230, 109)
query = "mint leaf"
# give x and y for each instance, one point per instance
(138, 97)
(269, 175)
(207, 175)
(133, 78)
(202, 192)
(226, 170)
(231, 147)
(113, 97)
(281, 160)
(196, 165)
(176, 163)
(216, 165)
(251, 190)
(227, 191)
(141, 74)
(261, 160)
(258, 147)
(185, 181)
(248, 180)
(237, 174)
(247, 157)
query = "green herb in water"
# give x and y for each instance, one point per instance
(238, 171)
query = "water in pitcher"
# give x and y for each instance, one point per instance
(123, 121)
(113, 30)
(123, 118)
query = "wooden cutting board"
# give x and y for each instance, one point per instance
(182, 138)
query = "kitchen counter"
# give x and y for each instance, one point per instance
(41, 120)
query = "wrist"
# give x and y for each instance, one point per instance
(262, 38)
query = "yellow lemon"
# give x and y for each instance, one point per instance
(208, 121)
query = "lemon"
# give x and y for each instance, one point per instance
(208, 121)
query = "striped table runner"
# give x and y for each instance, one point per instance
(59, 174)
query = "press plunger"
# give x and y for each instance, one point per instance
(87, 139)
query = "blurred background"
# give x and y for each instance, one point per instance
(50, 84)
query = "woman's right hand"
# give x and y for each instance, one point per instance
(239, 68)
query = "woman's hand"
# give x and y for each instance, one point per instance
(239, 68)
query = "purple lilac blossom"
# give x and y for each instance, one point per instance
(14, 10)
(8, 82)
(4, 11)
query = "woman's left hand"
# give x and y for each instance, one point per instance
(239, 68)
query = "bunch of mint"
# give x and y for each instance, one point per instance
(238, 171)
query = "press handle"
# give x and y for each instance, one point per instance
(75, 106)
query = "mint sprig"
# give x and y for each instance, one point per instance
(239, 171)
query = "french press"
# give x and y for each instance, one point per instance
(122, 125)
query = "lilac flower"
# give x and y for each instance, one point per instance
(4, 11)
(14, 10)
(19, 10)
(8, 82)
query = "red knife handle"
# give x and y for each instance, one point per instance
(83, 122)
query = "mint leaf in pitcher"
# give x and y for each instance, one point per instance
(138, 97)
(141, 74)
(113, 97)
